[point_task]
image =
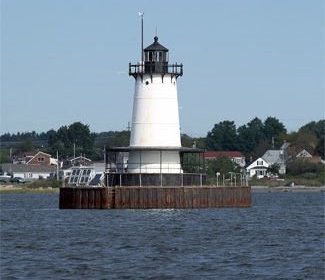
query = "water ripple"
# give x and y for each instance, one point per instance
(280, 237)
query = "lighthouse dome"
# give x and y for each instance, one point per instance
(156, 46)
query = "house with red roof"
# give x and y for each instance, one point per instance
(31, 166)
(235, 156)
(35, 158)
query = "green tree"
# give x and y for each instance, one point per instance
(187, 141)
(320, 148)
(200, 142)
(223, 136)
(311, 137)
(60, 142)
(77, 136)
(300, 166)
(4, 156)
(113, 139)
(274, 131)
(192, 163)
(80, 136)
(193, 142)
(317, 128)
(109, 139)
(273, 169)
(250, 136)
(26, 146)
(222, 165)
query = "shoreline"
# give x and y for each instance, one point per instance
(6, 189)
(9, 189)
(297, 188)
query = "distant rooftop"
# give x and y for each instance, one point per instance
(273, 156)
(219, 154)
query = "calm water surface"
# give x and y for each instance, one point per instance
(280, 237)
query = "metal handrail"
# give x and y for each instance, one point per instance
(139, 68)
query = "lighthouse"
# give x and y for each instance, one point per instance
(154, 171)
(155, 156)
(155, 133)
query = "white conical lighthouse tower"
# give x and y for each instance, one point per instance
(155, 142)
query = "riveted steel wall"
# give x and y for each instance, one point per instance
(154, 197)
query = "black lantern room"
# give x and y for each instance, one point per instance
(155, 58)
(155, 62)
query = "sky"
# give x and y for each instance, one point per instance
(66, 61)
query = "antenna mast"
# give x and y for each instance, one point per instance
(141, 15)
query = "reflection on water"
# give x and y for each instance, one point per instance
(280, 237)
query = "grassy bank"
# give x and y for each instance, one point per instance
(24, 190)
(298, 181)
(39, 186)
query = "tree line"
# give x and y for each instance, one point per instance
(252, 139)
(255, 137)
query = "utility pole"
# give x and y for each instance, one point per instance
(141, 15)
(105, 155)
(272, 143)
(57, 165)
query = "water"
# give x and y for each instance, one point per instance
(280, 237)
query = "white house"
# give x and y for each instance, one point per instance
(304, 154)
(275, 157)
(29, 172)
(270, 157)
(76, 161)
(258, 168)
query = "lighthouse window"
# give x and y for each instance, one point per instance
(150, 56)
